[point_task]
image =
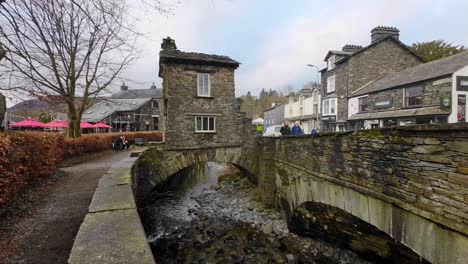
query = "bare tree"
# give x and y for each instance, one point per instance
(66, 49)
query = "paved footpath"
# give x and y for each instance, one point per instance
(47, 235)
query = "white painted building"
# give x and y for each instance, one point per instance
(305, 108)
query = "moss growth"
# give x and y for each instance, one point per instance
(370, 133)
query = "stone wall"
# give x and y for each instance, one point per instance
(383, 58)
(433, 90)
(182, 104)
(410, 183)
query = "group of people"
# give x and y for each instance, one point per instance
(295, 130)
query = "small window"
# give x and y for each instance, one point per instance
(363, 104)
(332, 106)
(331, 84)
(331, 63)
(155, 104)
(204, 88)
(205, 124)
(413, 96)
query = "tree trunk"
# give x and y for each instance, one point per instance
(74, 119)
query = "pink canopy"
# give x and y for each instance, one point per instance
(57, 124)
(86, 125)
(29, 123)
(101, 125)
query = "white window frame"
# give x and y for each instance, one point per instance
(205, 119)
(331, 84)
(331, 63)
(201, 91)
(328, 105)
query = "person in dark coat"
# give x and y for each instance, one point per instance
(296, 129)
(285, 129)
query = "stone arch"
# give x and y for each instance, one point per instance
(336, 226)
(428, 239)
(155, 166)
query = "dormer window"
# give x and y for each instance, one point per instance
(204, 88)
(331, 63)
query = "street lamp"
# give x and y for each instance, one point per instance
(318, 70)
(318, 83)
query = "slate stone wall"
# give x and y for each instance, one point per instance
(376, 61)
(432, 92)
(424, 171)
(182, 104)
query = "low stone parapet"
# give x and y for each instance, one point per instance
(112, 231)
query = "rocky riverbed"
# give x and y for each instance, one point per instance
(195, 219)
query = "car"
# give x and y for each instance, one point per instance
(272, 131)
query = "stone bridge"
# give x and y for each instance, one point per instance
(352, 189)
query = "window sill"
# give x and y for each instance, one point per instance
(205, 132)
(412, 106)
(205, 97)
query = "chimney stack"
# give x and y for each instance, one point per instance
(352, 48)
(381, 32)
(168, 44)
(123, 87)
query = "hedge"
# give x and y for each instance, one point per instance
(25, 156)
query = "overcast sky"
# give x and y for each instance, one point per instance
(274, 40)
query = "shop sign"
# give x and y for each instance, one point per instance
(462, 83)
(383, 103)
(445, 101)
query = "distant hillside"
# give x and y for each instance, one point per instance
(254, 106)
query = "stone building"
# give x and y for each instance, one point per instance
(305, 107)
(128, 110)
(200, 108)
(354, 66)
(274, 115)
(434, 92)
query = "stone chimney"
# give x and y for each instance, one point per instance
(123, 87)
(352, 48)
(381, 32)
(168, 44)
(153, 86)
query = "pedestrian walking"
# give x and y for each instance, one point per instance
(296, 129)
(285, 129)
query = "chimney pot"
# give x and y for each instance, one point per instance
(352, 48)
(381, 32)
(168, 44)
(124, 87)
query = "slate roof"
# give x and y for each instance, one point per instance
(193, 57)
(137, 94)
(425, 111)
(430, 70)
(105, 108)
(338, 52)
(376, 43)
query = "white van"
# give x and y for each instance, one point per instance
(272, 131)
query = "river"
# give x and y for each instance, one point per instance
(209, 214)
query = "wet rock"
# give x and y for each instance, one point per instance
(267, 229)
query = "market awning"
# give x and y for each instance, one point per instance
(29, 123)
(424, 111)
(57, 124)
(101, 125)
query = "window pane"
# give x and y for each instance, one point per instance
(205, 123)
(200, 84)
(212, 125)
(198, 123)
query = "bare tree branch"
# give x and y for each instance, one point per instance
(70, 50)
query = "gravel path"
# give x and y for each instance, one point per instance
(45, 233)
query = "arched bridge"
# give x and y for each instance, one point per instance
(408, 184)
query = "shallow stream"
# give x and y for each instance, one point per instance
(195, 219)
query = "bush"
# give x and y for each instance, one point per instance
(25, 156)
